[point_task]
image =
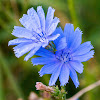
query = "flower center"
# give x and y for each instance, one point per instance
(43, 39)
(40, 37)
(63, 56)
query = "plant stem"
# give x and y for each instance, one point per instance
(5, 66)
(72, 12)
(1, 85)
(88, 88)
(65, 90)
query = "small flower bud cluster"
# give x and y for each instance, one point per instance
(41, 86)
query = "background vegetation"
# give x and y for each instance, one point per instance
(17, 77)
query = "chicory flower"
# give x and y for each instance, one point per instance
(36, 33)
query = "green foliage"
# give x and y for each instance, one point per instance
(59, 94)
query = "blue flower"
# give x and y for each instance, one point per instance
(36, 33)
(67, 58)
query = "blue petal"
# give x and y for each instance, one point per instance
(58, 31)
(83, 48)
(42, 17)
(55, 75)
(84, 57)
(52, 26)
(23, 48)
(61, 44)
(49, 17)
(31, 12)
(74, 77)
(45, 53)
(32, 52)
(77, 39)
(69, 33)
(64, 75)
(78, 66)
(49, 68)
(53, 37)
(42, 60)
(31, 21)
(18, 40)
(22, 32)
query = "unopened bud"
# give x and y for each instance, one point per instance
(41, 86)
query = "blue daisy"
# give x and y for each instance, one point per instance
(36, 33)
(67, 58)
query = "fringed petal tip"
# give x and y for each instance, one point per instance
(90, 44)
(77, 85)
(9, 43)
(81, 71)
(39, 8)
(64, 84)
(51, 8)
(34, 64)
(17, 55)
(30, 10)
(79, 30)
(57, 19)
(40, 73)
(26, 59)
(50, 84)
(92, 54)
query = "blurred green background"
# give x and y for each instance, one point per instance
(18, 77)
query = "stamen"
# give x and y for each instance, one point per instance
(64, 56)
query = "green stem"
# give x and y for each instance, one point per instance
(65, 90)
(5, 66)
(1, 85)
(72, 12)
